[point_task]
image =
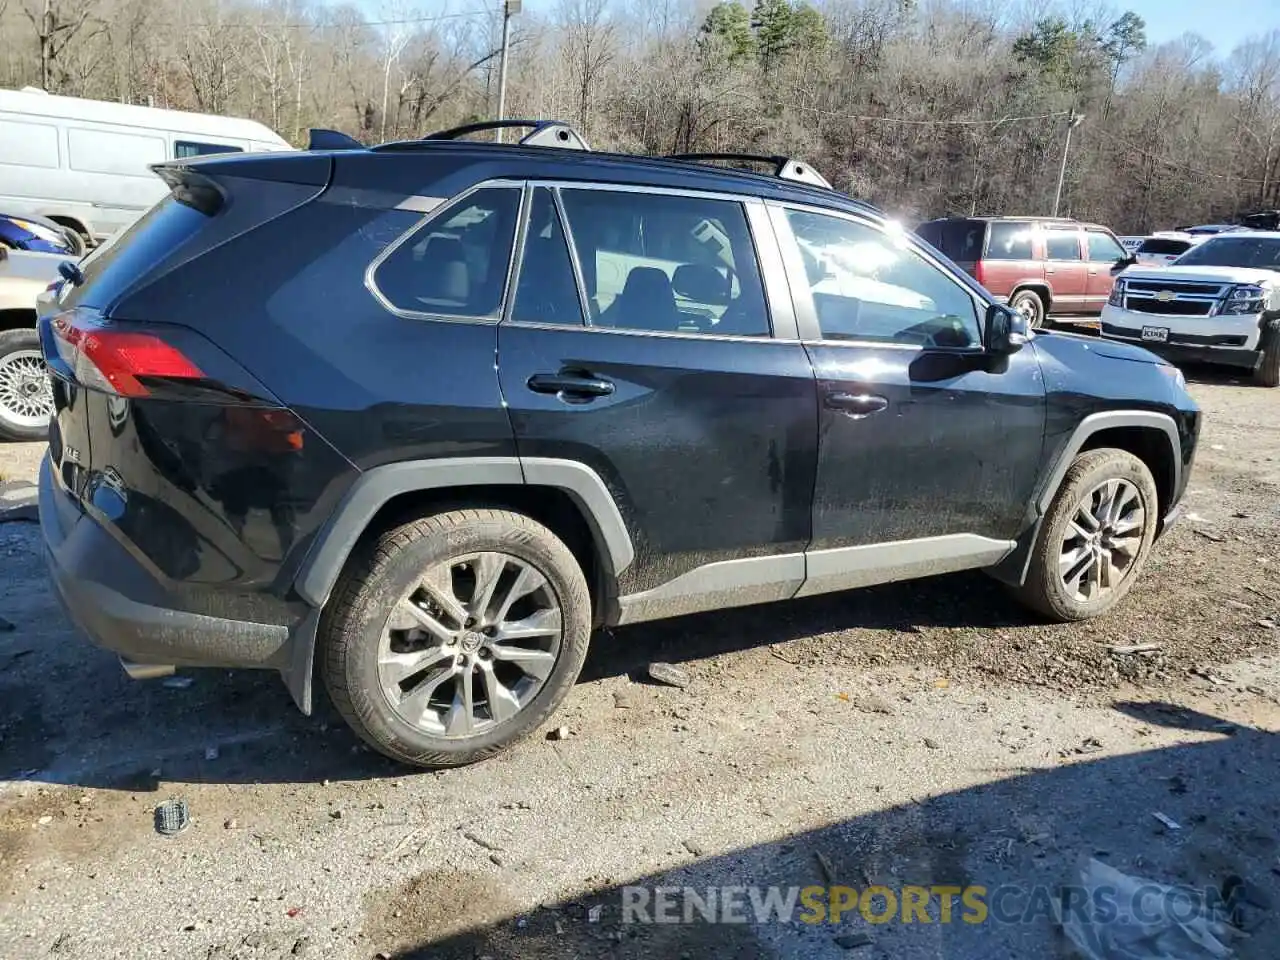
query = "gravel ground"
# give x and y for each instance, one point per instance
(926, 733)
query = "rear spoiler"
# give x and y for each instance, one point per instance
(205, 183)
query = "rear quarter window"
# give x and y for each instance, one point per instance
(960, 240)
(1009, 241)
(1168, 248)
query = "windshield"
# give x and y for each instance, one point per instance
(1262, 253)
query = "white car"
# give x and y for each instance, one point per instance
(1161, 249)
(1131, 243)
(26, 401)
(1219, 303)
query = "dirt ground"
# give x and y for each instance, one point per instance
(917, 734)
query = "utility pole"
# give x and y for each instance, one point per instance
(46, 42)
(509, 8)
(1073, 120)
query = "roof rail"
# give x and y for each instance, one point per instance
(545, 133)
(784, 168)
(321, 139)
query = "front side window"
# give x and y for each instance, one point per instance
(1103, 249)
(455, 265)
(666, 264)
(1060, 245)
(1009, 241)
(870, 285)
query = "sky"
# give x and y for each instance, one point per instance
(1224, 23)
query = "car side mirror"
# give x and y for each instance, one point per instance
(1124, 263)
(1005, 331)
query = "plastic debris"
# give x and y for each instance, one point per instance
(669, 674)
(559, 733)
(177, 682)
(593, 914)
(1168, 821)
(1133, 925)
(172, 817)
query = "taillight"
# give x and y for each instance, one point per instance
(979, 273)
(117, 361)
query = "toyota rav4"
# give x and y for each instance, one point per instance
(423, 415)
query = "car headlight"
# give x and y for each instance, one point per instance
(1244, 299)
(1117, 294)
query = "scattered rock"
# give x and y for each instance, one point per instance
(1210, 535)
(669, 674)
(870, 703)
(622, 699)
(931, 743)
(481, 841)
(694, 847)
(230, 824)
(1126, 650)
(1237, 604)
(45, 820)
(1167, 821)
(852, 941)
(496, 860)
(1089, 745)
(516, 805)
(1267, 623)
(559, 733)
(335, 814)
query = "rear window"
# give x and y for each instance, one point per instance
(1162, 247)
(1009, 241)
(960, 240)
(111, 268)
(194, 148)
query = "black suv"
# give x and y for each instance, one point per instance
(430, 412)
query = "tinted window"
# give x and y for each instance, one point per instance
(1009, 241)
(455, 265)
(1103, 249)
(1169, 248)
(958, 239)
(547, 291)
(190, 148)
(1229, 251)
(870, 285)
(1060, 245)
(667, 264)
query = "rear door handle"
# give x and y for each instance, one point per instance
(856, 405)
(572, 384)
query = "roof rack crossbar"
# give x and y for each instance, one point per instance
(545, 133)
(784, 168)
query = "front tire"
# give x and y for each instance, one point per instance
(455, 635)
(1095, 539)
(26, 396)
(1267, 373)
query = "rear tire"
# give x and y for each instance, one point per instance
(453, 636)
(26, 397)
(1267, 373)
(1095, 539)
(1030, 305)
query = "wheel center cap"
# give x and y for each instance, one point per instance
(471, 642)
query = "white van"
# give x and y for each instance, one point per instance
(84, 163)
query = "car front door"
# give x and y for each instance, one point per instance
(1104, 252)
(928, 446)
(1066, 271)
(641, 343)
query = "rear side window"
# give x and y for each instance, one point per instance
(667, 264)
(1008, 241)
(193, 148)
(1103, 249)
(455, 264)
(1060, 245)
(1163, 247)
(961, 240)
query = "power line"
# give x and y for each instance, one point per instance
(934, 123)
(1175, 164)
(322, 24)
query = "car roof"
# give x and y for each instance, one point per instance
(1246, 235)
(1056, 222)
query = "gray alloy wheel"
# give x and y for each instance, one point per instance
(451, 636)
(470, 645)
(1102, 540)
(1029, 304)
(1094, 539)
(26, 397)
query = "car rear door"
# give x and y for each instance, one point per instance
(1104, 253)
(928, 446)
(640, 342)
(1066, 271)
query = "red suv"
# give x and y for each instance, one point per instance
(1035, 264)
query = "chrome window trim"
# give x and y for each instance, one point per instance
(370, 272)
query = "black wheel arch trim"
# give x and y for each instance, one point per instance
(375, 487)
(1013, 569)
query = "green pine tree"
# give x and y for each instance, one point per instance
(773, 24)
(727, 30)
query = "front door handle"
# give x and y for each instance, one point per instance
(571, 384)
(856, 405)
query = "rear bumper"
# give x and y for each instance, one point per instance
(114, 600)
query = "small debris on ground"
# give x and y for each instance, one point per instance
(623, 700)
(1166, 820)
(941, 683)
(292, 912)
(177, 682)
(1210, 535)
(1267, 623)
(230, 824)
(931, 743)
(481, 841)
(172, 817)
(593, 914)
(1124, 650)
(828, 871)
(852, 941)
(669, 674)
(45, 820)
(335, 814)
(694, 847)
(559, 733)
(496, 860)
